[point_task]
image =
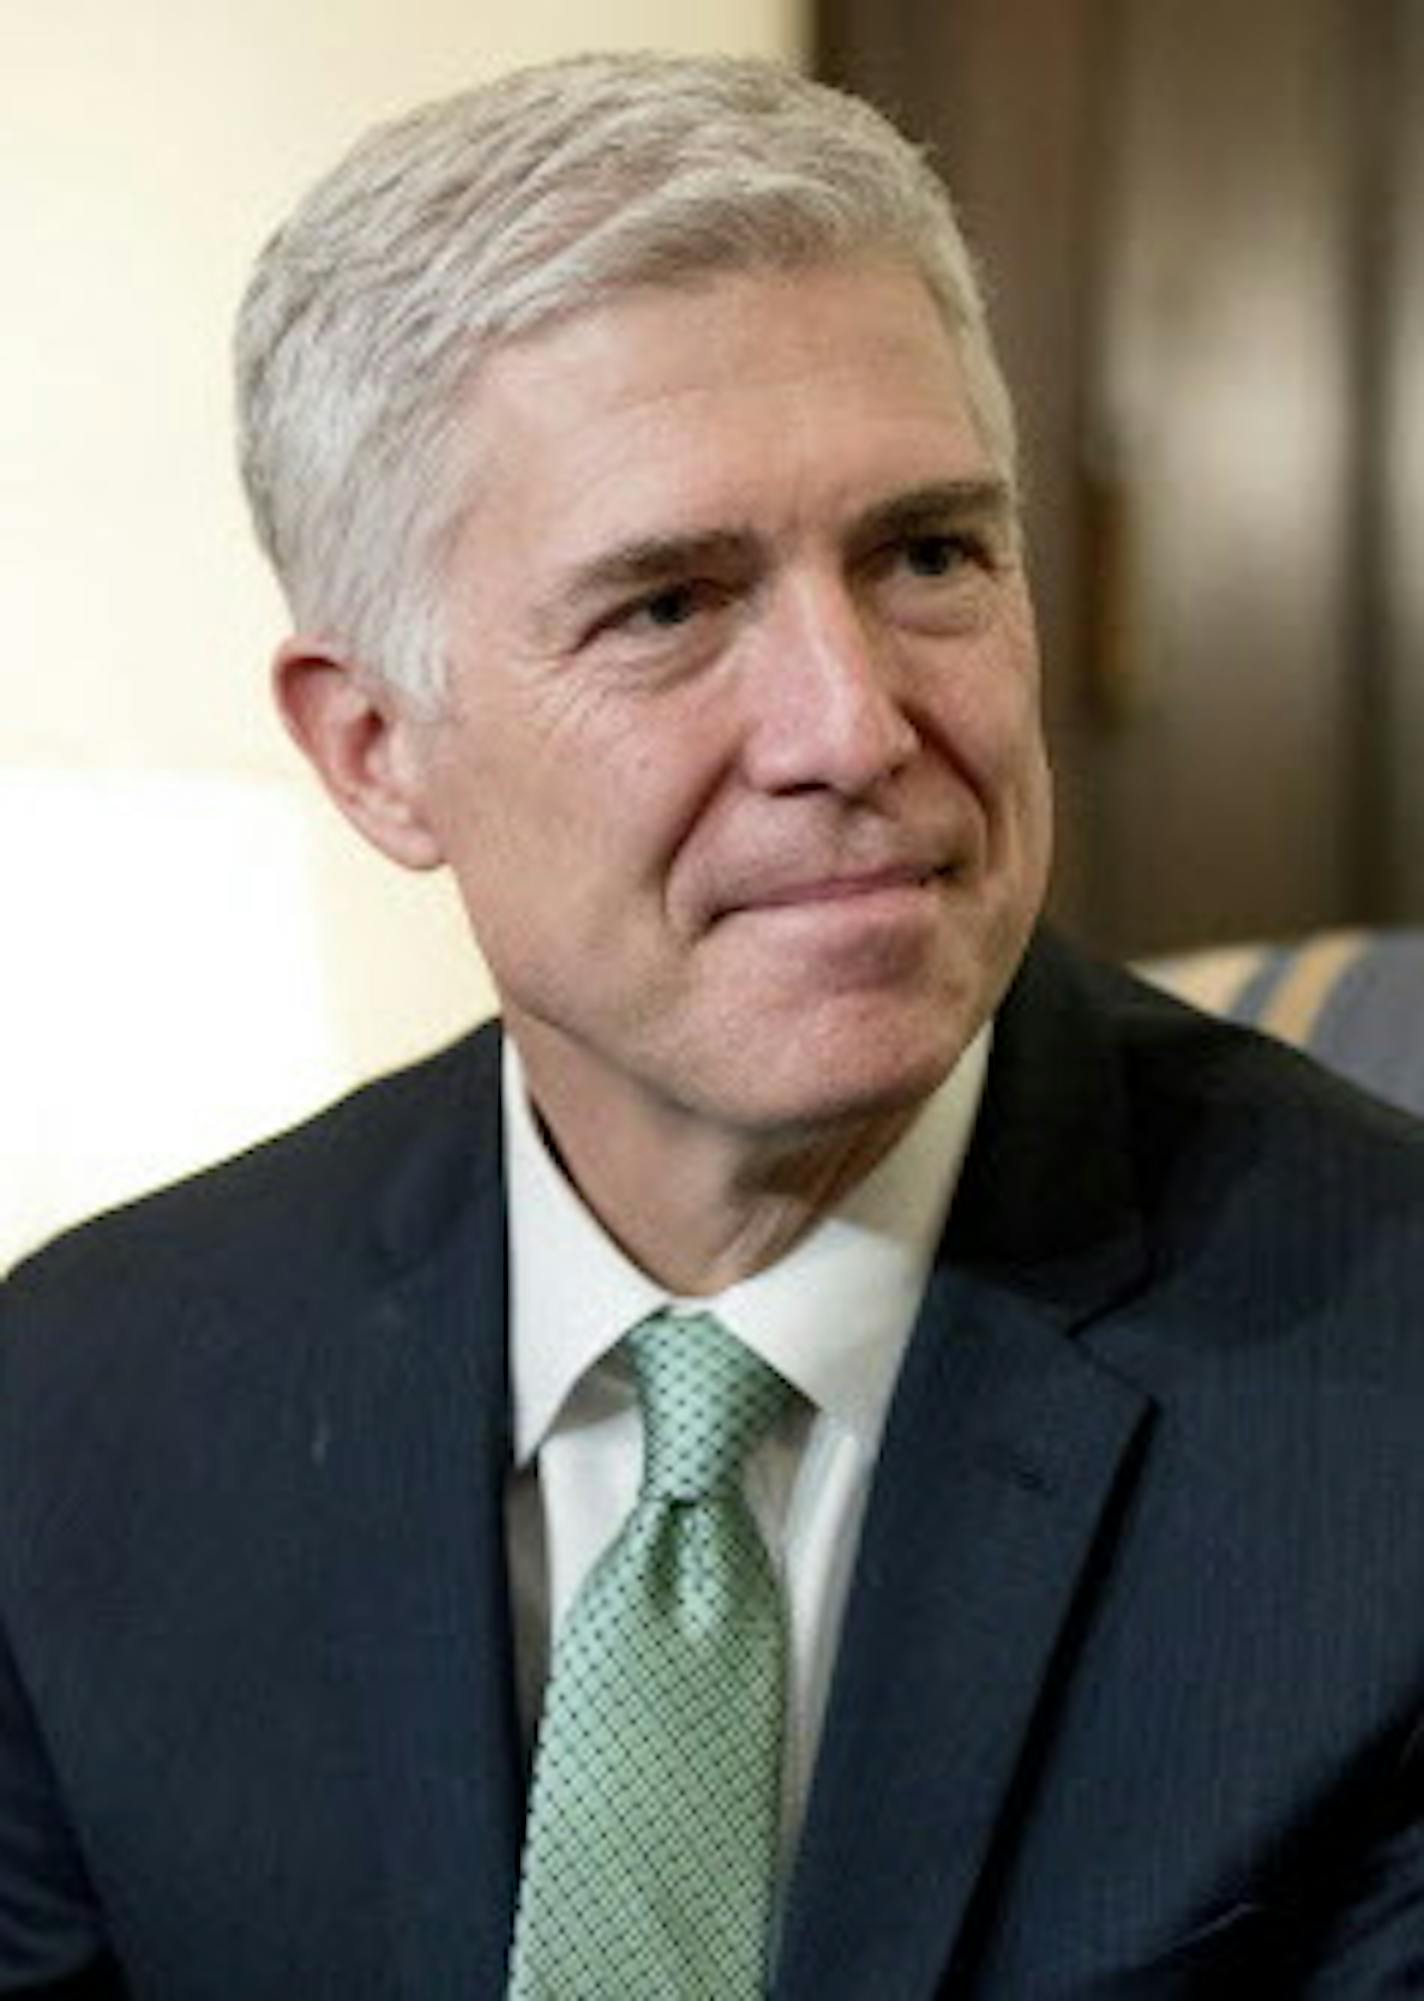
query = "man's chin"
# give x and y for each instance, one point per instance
(866, 1090)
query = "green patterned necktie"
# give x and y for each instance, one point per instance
(651, 1844)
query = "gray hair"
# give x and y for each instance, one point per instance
(501, 211)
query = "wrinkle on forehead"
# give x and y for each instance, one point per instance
(628, 426)
(649, 347)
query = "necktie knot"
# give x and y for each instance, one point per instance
(707, 1400)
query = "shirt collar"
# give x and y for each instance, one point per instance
(833, 1316)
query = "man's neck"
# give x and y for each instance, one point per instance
(696, 1206)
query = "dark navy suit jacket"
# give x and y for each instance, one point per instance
(1130, 1690)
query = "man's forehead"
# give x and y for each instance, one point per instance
(723, 381)
(641, 342)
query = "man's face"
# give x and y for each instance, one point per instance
(741, 776)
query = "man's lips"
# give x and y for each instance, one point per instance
(847, 887)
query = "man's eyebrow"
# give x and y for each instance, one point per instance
(649, 560)
(988, 499)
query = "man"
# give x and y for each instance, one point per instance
(629, 441)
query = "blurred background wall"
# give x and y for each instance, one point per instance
(195, 950)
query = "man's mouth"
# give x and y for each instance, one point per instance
(843, 888)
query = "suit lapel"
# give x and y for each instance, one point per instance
(419, 1441)
(1006, 1455)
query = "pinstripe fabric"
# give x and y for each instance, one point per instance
(1354, 999)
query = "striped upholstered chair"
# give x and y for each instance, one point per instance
(1354, 999)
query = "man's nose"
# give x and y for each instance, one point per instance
(825, 704)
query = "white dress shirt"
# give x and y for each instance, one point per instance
(833, 1317)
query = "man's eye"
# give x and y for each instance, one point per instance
(672, 606)
(937, 555)
(666, 610)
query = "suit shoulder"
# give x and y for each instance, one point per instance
(318, 1181)
(1213, 1122)
(1234, 1067)
(1252, 1159)
(1174, 1052)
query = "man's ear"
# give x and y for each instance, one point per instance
(362, 740)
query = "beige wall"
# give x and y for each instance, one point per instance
(195, 951)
